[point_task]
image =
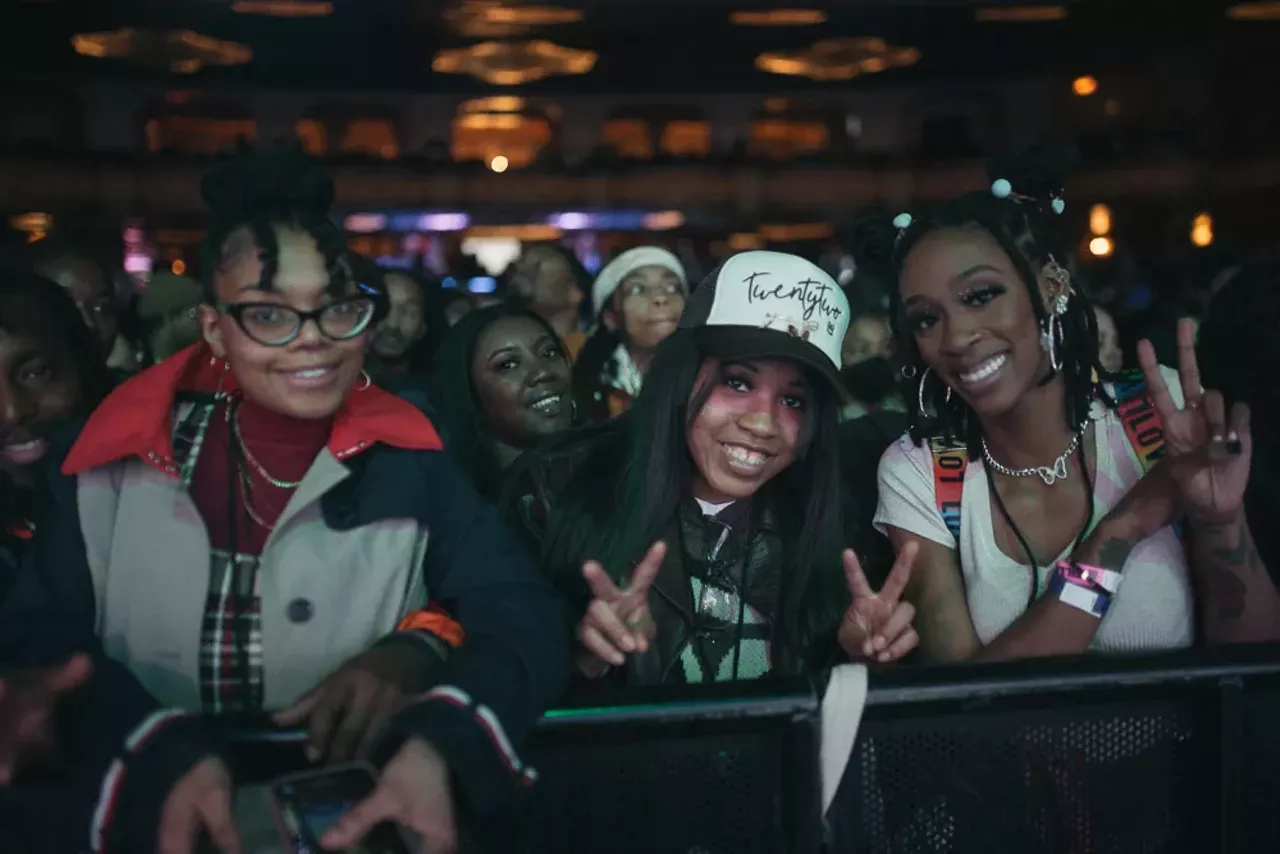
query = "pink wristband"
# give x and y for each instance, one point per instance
(1091, 576)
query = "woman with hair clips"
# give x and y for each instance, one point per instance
(245, 527)
(1031, 489)
(501, 383)
(637, 300)
(706, 522)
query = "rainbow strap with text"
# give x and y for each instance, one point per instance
(1138, 414)
(949, 465)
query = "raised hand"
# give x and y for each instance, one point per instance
(27, 702)
(877, 625)
(1208, 455)
(617, 621)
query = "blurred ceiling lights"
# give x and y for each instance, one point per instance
(1020, 14)
(513, 63)
(1084, 86)
(1268, 11)
(779, 18)
(838, 59)
(283, 8)
(179, 51)
(491, 19)
(493, 104)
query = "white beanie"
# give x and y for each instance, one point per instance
(625, 264)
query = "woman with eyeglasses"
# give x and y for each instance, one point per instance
(245, 528)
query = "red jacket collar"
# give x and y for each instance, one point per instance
(136, 420)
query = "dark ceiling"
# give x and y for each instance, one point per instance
(656, 46)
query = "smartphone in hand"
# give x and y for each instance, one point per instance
(307, 805)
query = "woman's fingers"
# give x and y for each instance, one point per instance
(900, 575)
(596, 644)
(1215, 416)
(859, 587)
(1239, 430)
(898, 623)
(1155, 380)
(906, 642)
(647, 570)
(1188, 368)
(602, 586)
(601, 617)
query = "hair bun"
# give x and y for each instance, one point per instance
(1038, 173)
(254, 183)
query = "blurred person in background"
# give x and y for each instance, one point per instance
(637, 301)
(167, 311)
(866, 359)
(501, 385)
(1110, 354)
(51, 370)
(550, 280)
(407, 338)
(454, 304)
(91, 283)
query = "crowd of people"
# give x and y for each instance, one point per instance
(320, 494)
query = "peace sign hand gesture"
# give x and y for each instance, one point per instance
(617, 621)
(877, 626)
(1209, 457)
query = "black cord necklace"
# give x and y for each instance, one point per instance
(1022, 540)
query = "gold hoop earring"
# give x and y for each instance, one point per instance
(368, 381)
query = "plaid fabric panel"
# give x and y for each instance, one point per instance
(231, 637)
(189, 425)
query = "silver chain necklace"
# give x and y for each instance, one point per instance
(1049, 474)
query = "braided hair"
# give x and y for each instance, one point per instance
(258, 192)
(1017, 212)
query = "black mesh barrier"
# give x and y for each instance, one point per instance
(1139, 756)
(704, 775)
(715, 769)
(1153, 755)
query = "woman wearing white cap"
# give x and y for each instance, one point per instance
(637, 301)
(706, 523)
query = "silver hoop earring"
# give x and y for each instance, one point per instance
(368, 381)
(1050, 337)
(924, 413)
(909, 372)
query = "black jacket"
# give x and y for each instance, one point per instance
(539, 479)
(513, 664)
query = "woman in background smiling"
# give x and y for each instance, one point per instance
(501, 385)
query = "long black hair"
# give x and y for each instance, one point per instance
(49, 312)
(470, 437)
(261, 191)
(627, 492)
(1023, 224)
